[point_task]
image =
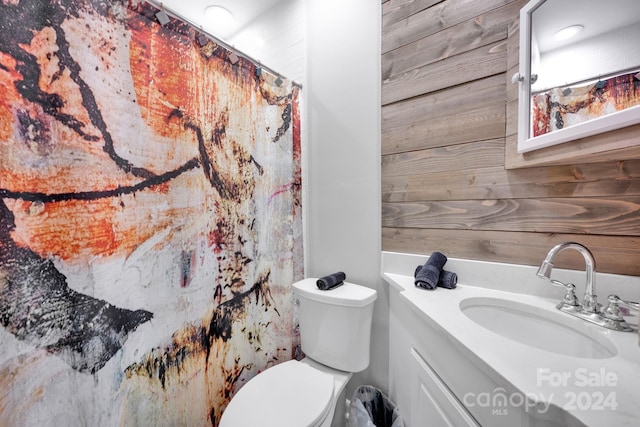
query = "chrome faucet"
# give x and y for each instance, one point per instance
(610, 317)
(589, 303)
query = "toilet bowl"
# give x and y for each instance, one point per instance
(335, 330)
(291, 394)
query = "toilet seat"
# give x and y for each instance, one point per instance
(291, 394)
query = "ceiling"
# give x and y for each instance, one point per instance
(244, 12)
(597, 17)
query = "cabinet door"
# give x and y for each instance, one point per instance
(433, 404)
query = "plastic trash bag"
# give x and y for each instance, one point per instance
(370, 407)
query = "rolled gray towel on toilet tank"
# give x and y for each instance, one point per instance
(331, 281)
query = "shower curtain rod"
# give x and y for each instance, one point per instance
(227, 45)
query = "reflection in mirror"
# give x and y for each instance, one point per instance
(579, 70)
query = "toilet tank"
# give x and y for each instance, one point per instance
(335, 325)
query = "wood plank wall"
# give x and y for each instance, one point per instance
(451, 180)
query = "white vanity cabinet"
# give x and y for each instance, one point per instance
(434, 383)
(432, 400)
(449, 366)
(420, 391)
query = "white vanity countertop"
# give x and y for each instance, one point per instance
(596, 391)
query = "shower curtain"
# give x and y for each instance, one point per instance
(150, 217)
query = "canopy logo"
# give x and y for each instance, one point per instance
(580, 389)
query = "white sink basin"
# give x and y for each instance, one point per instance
(547, 330)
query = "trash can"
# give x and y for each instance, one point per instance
(370, 407)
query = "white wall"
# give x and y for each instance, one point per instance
(342, 95)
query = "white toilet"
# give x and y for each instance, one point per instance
(335, 330)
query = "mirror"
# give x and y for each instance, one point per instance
(582, 85)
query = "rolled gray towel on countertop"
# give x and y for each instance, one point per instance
(427, 275)
(448, 279)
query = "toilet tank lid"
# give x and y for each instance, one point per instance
(349, 294)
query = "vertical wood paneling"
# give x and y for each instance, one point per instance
(450, 177)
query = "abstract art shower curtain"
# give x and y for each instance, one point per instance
(150, 217)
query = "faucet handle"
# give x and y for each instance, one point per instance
(614, 316)
(612, 310)
(616, 300)
(568, 286)
(570, 297)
